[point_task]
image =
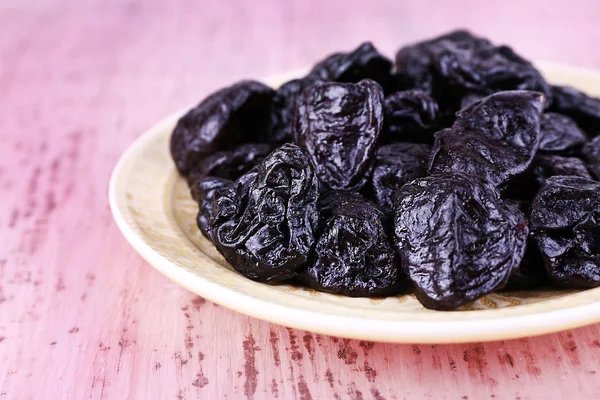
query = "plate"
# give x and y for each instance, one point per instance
(153, 208)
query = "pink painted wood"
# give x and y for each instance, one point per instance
(82, 316)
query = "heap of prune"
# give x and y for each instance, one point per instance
(453, 172)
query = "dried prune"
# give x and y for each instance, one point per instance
(527, 184)
(396, 164)
(282, 110)
(565, 220)
(409, 116)
(585, 110)
(559, 133)
(233, 115)
(265, 224)
(488, 69)
(457, 63)
(591, 154)
(231, 164)
(457, 239)
(364, 62)
(203, 191)
(352, 255)
(493, 139)
(418, 60)
(338, 124)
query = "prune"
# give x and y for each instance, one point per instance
(457, 239)
(396, 164)
(559, 133)
(458, 63)
(488, 69)
(418, 60)
(338, 124)
(527, 184)
(265, 224)
(591, 154)
(493, 139)
(364, 62)
(585, 110)
(203, 191)
(230, 164)
(565, 220)
(352, 255)
(233, 115)
(282, 109)
(409, 116)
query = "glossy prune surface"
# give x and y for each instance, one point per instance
(584, 109)
(283, 108)
(233, 115)
(203, 191)
(395, 165)
(457, 63)
(409, 116)
(559, 133)
(364, 62)
(265, 224)
(457, 239)
(492, 139)
(353, 255)
(339, 124)
(231, 164)
(565, 220)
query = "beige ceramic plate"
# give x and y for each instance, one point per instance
(152, 207)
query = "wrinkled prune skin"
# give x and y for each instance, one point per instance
(526, 185)
(559, 133)
(418, 60)
(265, 224)
(457, 240)
(203, 191)
(231, 164)
(565, 220)
(584, 110)
(352, 255)
(233, 115)
(339, 124)
(409, 116)
(282, 109)
(364, 62)
(493, 139)
(489, 69)
(591, 154)
(395, 165)
(457, 63)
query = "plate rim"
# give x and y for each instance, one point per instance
(394, 331)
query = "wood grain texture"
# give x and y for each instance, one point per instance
(82, 316)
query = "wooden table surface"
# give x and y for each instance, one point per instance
(82, 316)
